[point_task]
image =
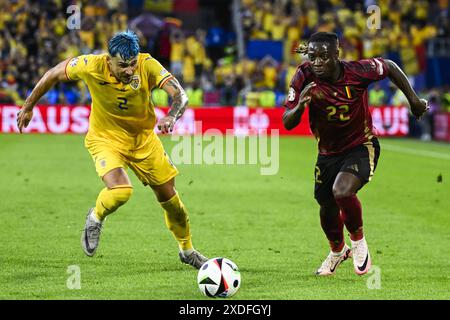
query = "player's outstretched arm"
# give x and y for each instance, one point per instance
(292, 117)
(398, 77)
(179, 103)
(50, 78)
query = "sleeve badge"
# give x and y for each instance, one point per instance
(291, 94)
(73, 62)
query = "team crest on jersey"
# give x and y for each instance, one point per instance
(135, 82)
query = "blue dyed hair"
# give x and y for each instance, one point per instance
(126, 44)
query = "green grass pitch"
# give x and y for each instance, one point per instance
(268, 225)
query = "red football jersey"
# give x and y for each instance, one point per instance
(339, 115)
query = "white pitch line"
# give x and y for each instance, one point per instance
(418, 152)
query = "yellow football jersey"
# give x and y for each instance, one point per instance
(122, 115)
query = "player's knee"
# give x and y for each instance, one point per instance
(342, 191)
(122, 194)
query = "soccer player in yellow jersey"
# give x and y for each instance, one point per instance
(121, 133)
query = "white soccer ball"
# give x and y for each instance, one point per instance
(219, 277)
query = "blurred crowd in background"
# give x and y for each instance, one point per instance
(205, 57)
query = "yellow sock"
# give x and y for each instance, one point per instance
(109, 200)
(177, 221)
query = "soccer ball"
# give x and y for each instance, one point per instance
(219, 277)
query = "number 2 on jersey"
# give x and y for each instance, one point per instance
(341, 111)
(122, 103)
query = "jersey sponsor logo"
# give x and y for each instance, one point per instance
(135, 82)
(73, 62)
(291, 94)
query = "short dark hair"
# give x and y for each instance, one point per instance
(328, 37)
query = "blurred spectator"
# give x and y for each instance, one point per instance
(267, 99)
(446, 99)
(52, 97)
(435, 107)
(229, 52)
(195, 95)
(162, 46)
(188, 70)
(267, 77)
(177, 53)
(196, 48)
(399, 99)
(160, 97)
(228, 93)
(377, 95)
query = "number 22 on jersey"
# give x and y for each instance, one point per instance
(337, 113)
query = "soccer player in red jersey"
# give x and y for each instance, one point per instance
(336, 94)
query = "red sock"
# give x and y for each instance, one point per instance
(333, 226)
(352, 214)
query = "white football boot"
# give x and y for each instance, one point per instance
(195, 259)
(361, 256)
(90, 237)
(333, 260)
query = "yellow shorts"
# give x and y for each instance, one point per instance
(154, 169)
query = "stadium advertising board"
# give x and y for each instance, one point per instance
(388, 121)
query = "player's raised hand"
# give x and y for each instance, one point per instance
(305, 95)
(419, 107)
(24, 117)
(166, 124)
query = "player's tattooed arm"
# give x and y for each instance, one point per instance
(398, 77)
(179, 98)
(179, 103)
(292, 117)
(50, 78)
